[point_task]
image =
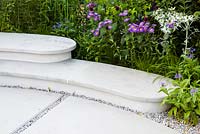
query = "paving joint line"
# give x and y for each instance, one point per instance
(76, 95)
(38, 116)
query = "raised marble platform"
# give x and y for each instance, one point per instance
(35, 48)
(119, 85)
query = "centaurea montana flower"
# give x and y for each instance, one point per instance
(94, 15)
(143, 27)
(91, 6)
(124, 13)
(105, 23)
(193, 91)
(178, 76)
(96, 32)
(126, 19)
(192, 50)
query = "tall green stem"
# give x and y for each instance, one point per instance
(187, 27)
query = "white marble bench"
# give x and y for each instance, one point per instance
(35, 48)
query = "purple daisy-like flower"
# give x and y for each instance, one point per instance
(127, 20)
(91, 5)
(124, 13)
(190, 56)
(151, 30)
(97, 18)
(171, 25)
(96, 32)
(177, 76)
(193, 91)
(133, 28)
(107, 22)
(141, 29)
(100, 25)
(94, 15)
(142, 24)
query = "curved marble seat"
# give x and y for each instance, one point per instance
(35, 48)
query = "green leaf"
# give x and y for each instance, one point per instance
(197, 14)
(197, 111)
(163, 89)
(186, 115)
(114, 26)
(185, 83)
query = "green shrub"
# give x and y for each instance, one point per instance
(185, 96)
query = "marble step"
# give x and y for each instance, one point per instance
(123, 86)
(35, 48)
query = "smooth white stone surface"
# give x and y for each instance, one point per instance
(18, 106)
(34, 43)
(37, 58)
(77, 116)
(127, 83)
(35, 48)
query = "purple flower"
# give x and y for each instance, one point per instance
(92, 31)
(192, 50)
(96, 32)
(141, 24)
(92, 14)
(127, 19)
(151, 30)
(124, 13)
(100, 25)
(177, 76)
(171, 25)
(147, 24)
(107, 22)
(57, 25)
(153, 25)
(109, 27)
(133, 28)
(141, 29)
(91, 6)
(163, 84)
(190, 56)
(97, 18)
(193, 91)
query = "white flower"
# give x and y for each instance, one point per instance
(171, 16)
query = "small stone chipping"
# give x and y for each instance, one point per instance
(157, 117)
